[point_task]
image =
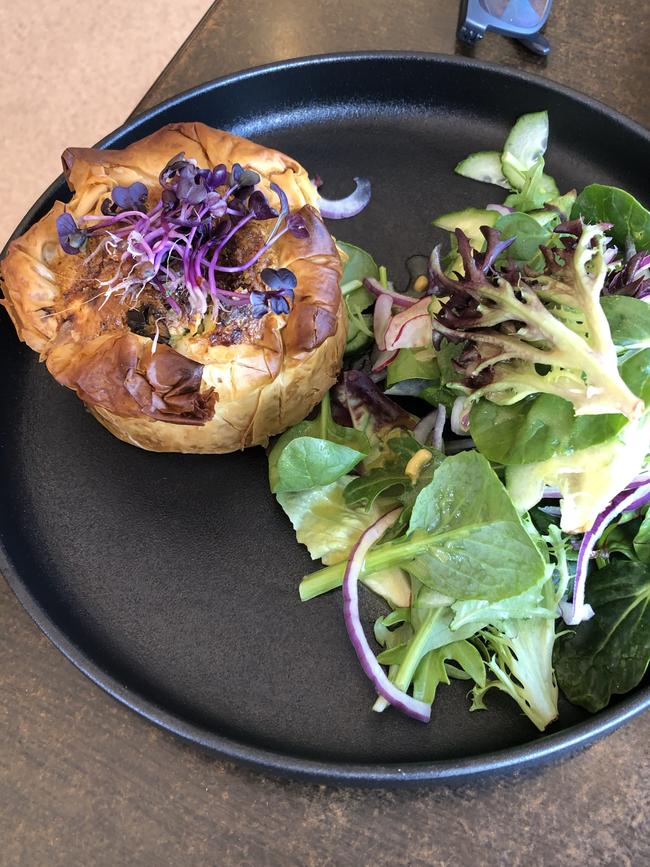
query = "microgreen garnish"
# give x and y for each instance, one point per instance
(279, 296)
(71, 237)
(177, 246)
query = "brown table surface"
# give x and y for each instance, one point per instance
(83, 781)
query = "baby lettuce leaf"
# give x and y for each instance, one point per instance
(328, 528)
(476, 546)
(323, 522)
(528, 235)
(296, 465)
(598, 203)
(389, 478)
(464, 540)
(629, 321)
(307, 462)
(360, 264)
(588, 479)
(481, 612)
(536, 189)
(429, 621)
(609, 654)
(635, 370)
(413, 364)
(537, 428)
(357, 298)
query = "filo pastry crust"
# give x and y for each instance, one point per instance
(198, 396)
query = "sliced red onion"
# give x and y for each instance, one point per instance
(436, 439)
(610, 254)
(383, 359)
(459, 419)
(419, 710)
(381, 318)
(411, 328)
(350, 206)
(500, 209)
(399, 299)
(577, 610)
(553, 493)
(422, 430)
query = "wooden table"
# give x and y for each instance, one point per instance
(83, 781)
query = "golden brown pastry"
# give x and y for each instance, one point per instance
(136, 296)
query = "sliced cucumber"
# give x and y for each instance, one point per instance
(484, 166)
(525, 144)
(470, 221)
(543, 217)
(565, 203)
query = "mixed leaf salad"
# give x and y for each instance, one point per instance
(481, 462)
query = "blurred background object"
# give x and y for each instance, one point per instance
(70, 74)
(518, 19)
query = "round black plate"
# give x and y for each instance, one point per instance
(172, 580)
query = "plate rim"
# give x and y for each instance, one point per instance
(277, 762)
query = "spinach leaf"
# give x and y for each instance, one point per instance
(359, 265)
(336, 449)
(413, 364)
(357, 340)
(439, 394)
(308, 462)
(364, 490)
(475, 546)
(528, 235)
(357, 298)
(360, 327)
(618, 538)
(537, 428)
(609, 654)
(635, 371)
(598, 203)
(629, 321)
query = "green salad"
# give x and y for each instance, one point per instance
(480, 464)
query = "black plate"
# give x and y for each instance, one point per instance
(171, 580)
